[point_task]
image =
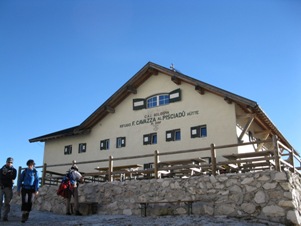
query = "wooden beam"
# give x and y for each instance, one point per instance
(246, 128)
(176, 80)
(109, 109)
(131, 89)
(249, 108)
(262, 133)
(199, 89)
(153, 71)
(228, 100)
(245, 116)
(82, 131)
(213, 159)
(156, 161)
(259, 146)
(276, 153)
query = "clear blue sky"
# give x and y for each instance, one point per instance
(60, 60)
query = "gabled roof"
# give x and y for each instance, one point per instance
(151, 69)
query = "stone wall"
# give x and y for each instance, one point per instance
(269, 195)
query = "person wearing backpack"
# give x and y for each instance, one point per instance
(7, 176)
(28, 187)
(74, 177)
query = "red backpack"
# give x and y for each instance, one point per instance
(65, 188)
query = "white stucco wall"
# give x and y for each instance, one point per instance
(194, 109)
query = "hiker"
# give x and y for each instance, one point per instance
(28, 187)
(75, 177)
(7, 176)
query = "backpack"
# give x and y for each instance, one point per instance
(65, 187)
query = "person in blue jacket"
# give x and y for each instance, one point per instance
(7, 176)
(28, 186)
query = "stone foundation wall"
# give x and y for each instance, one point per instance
(269, 195)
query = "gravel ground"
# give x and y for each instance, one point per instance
(38, 218)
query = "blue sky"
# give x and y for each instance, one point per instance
(60, 60)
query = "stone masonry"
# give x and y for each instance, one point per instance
(267, 195)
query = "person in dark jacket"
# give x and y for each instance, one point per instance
(7, 176)
(28, 186)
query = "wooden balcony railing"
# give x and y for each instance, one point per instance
(278, 158)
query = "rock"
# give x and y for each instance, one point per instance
(269, 185)
(280, 176)
(264, 178)
(247, 180)
(248, 208)
(260, 197)
(224, 209)
(284, 203)
(294, 217)
(240, 195)
(250, 188)
(127, 212)
(273, 211)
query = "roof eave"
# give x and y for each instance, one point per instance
(59, 134)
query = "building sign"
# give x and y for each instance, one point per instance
(158, 117)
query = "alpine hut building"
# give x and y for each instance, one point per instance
(161, 109)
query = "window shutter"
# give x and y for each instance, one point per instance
(195, 132)
(177, 134)
(175, 96)
(69, 149)
(153, 138)
(102, 145)
(138, 104)
(107, 144)
(123, 142)
(146, 139)
(170, 135)
(82, 147)
(203, 131)
(117, 142)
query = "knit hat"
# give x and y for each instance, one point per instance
(10, 159)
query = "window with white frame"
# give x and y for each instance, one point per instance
(150, 138)
(157, 100)
(82, 147)
(173, 135)
(120, 142)
(199, 131)
(68, 150)
(105, 144)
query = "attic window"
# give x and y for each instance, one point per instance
(157, 100)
